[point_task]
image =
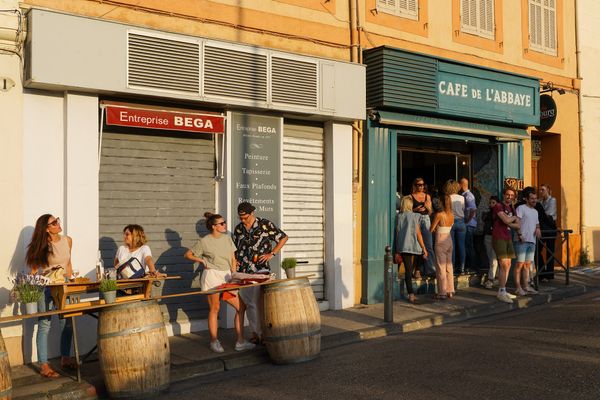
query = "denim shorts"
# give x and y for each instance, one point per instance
(525, 251)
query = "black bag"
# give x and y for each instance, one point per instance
(131, 269)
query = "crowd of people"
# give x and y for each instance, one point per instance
(439, 234)
(247, 249)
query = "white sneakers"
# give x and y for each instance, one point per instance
(531, 290)
(520, 292)
(245, 345)
(504, 297)
(488, 284)
(216, 347)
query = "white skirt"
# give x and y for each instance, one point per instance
(211, 278)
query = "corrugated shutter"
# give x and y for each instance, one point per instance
(161, 63)
(294, 82)
(164, 184)
(303, 200)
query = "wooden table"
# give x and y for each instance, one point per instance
(67, 296)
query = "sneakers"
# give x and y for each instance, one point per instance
(245, 345)
(504, 297)
(488, 284)
(531, 290)
(216, 347)
(520, 292)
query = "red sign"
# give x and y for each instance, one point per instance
(168, 120)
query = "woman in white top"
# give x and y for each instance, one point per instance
(459, 229)
(442, 226)
(136, 247)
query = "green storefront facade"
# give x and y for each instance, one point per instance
(436, 119)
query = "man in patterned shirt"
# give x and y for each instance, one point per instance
(254, 238)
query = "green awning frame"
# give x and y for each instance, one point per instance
(459, 129)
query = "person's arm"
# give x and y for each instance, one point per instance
(435, 223)
(551, 212)
(420, 239)
(69, 271)
(191, 255)
(152, 267)
(266, 257)
(428, 204)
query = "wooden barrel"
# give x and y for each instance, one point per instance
(133, 348)
(5, 379)
(291, 321)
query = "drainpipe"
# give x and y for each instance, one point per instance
(582, 226)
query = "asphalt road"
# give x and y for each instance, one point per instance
(546, 352)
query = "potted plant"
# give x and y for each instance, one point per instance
(28, 290)
(108, 288)
(289, 265)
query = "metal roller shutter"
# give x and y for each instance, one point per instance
(303, 200)
(164, 184)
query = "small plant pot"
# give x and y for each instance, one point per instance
(31, 308)
(110, 297)
(290, 272)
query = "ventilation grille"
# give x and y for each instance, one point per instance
(235, 74)
(163, 63)
(294, 82)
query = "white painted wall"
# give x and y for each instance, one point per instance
(339, 245)
(588, 15)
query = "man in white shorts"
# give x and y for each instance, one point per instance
(525, 246)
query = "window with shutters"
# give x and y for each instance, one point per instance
(477, 17)
(402, 8)
(542, 26)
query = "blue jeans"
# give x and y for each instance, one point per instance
(429, 263)
(470, 249)
(44, 323)
(458, 233)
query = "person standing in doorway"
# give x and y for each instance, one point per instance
(422, 206)
(527, 236)
(470, 223)
(548, 226)
(459, 229)
(487, 241)
(505, 219)
(441, 225)
(254, 238)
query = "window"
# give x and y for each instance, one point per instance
(477, 17)
(542, 26)
(401, 8)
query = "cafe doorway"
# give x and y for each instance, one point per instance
(435, 167)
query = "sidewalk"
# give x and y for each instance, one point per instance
(190, 356)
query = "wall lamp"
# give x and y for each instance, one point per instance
(549, 87)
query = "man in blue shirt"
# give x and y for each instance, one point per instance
(470, 222)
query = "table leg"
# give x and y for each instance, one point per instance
(76, 346)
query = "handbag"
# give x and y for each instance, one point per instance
(56, 274)
(130, 269)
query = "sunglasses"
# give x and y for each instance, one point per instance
(220, 223)
(56, 222)
(420, 184)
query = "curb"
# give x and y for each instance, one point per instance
(260, 356)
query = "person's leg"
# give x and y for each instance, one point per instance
(429, 263)
(454, 238)
(235, 303)
(491, 256)
(408, 271)
(460, 243)
(66, 337)
(449, 270)
(471, 265)
(440, 256)
(214, 305)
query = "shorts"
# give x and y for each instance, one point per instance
(503, 248)
(211, 278)
(525, 251)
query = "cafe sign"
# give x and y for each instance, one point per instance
(547, 112)
(514, 183)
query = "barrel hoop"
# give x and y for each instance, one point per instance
(3, 354)
(6, 392)
(292, 337)
(131, 331)
(126, 394)
(287, 285)
(286, 288)
(136, 304)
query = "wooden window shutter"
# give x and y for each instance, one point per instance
(486, 18)
(535, 25)
(468, 16)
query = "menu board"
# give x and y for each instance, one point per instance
(255, 164)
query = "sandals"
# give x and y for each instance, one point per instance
(48, 372)
(412, 299)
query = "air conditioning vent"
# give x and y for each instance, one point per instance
(294, 82)
(235, 74)
(165, 64)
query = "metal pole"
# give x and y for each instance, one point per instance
(76, 345)
(536, 260)
(568, 257)
(388, 286)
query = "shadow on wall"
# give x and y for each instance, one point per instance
(338, 272)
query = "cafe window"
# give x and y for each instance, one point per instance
(477, 18)
(402, 8)
(542, 26)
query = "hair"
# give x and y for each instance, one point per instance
(138, 237)
(414, 184)
(446, 203)
(528, 191)
(406, 204)
(547, 187)
(506, 189)
(451, 187)
(495, 198)
(39, 248)
(211, 219)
